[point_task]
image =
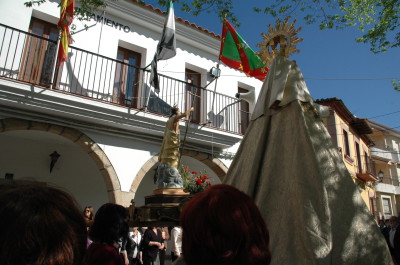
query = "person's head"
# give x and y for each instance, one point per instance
(394, 221)
(40, 225)
(88, 216)
(88, 212)
(110, 224)
(175, 111)
(387, 223)
(222, 225)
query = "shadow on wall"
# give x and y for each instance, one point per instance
(145, 187)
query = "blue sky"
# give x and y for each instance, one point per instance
(333, 64)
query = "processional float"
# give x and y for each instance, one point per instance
(288, 164)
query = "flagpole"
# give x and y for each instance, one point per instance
(187, 126)
(148, 93)
(53, 70)
(215, 88)
(101, 30)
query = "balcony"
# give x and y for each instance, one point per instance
(386, 155)
(388, 185)
(30, 59)
(367, 173)
(390, 181)
(395, 156)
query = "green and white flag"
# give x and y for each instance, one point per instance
(166, 48)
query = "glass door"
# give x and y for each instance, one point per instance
(126, 78)
(39, 53)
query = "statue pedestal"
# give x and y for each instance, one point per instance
(161, 209)
(170, 191)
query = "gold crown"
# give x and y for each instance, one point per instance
(284, 35)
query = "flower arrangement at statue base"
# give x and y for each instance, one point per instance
(194, 182)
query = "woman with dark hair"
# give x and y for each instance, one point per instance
(109, 229)
(40, 225)
(152, 242)
(88, 215)
(223, 226)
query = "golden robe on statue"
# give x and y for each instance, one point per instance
(169, 153)
(288, 164)
(167, 172)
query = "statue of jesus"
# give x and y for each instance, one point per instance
(168, 174)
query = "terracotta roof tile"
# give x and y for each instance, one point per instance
(179, 19)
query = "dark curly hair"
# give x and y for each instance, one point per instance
(223, 226)
(174, 110)
(110, 224)
(40, 225)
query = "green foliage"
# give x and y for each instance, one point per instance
(221, 7)
(377, 20)
(396, 84)
(32, 3)
(87, 7)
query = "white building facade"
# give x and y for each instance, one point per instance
(386, 155)
(98, 110)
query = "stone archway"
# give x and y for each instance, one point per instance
(213, 163)
(82, 140)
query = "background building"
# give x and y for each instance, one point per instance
(351, 135)
(386, 158)
(98, 110)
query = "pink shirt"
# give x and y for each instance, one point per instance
(102, 254)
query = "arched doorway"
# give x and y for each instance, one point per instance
(83, 168)
(143, 183)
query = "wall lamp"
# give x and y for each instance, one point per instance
(9, 176)
(380, 175)
(54, 158)
(215, 72)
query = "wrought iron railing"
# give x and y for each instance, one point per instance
(390, 181)
(29, 58)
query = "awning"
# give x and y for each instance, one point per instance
(366, 177)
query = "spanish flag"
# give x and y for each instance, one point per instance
(66, 17)
(236, 53)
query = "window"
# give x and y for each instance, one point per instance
(346, 143)
(387, 208)
(244, 115)
(193, 93)
(39, 53)
(367, 163)
(126, 78)
(359, 163)
(372, 203)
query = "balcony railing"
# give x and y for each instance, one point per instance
(366, 172)
(390, 181)
(386, 154)
(29, 58)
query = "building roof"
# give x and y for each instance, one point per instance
(179, 19)
(360, 126)
(383, 128)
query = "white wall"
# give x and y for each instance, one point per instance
(126, 155)
(26, 155)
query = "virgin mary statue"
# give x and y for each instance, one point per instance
(287, 163)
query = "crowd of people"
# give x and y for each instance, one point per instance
(390, 230)
(44, 225)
